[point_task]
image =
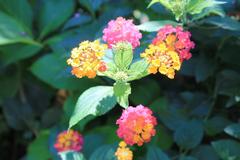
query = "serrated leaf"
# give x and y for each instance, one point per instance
(165, 3)
(123, 55)
(197, 6)
(154, 26)
(189, 134)
(216, 10)
(122, 90)
(138, 70)
(233, 130)
(155, 153)
(94, 101)
(227, 149)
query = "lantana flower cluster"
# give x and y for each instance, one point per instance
(168, 50)
(69, 141)
(136, 125)
(123, 152)
(165, 55)
(121, 30)
(86, 59)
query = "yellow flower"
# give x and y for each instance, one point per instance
(123, 152)
(162, 58)
(86, 59)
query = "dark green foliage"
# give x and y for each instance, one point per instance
(198, 112)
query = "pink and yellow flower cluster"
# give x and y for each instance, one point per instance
(121, 30)
(168, 50)
(136, 125)
(69, 141)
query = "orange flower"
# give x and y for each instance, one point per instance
(123, 152)
(86, 60)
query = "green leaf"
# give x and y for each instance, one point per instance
(90, 146)
(165, 3)
(232, 88)
(197, 6)
(187, 158)
(138, 70)
(78, 20)
(224, 23)
(94, 101)
(216, 10)
(9, 55)
(105, 152)
(139, 94)
(189, 134)
(71, 156)
(123, 55)
(155, 153)
(163, 139)
(122, 90)
(11, 31)
(233, 130)
(107, 131)
(154, 26)
(216, 125)
(92, 5)
(170, 116)
(53, 14)
(227, 52)
(9, 81)
(39, 148)
(205, 152)
(205, 67)
(19, 9)
(227, 149)
(52, 69)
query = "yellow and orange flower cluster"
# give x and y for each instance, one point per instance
(169, 49)
(162, 58)
(86, 59)
(123, 152)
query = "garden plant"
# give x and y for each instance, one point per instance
(120, 80)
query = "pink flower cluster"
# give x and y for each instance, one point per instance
(136, 125)
(182, 44)
(121, 30)
(69, 141)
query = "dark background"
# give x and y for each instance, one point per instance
(38, 93)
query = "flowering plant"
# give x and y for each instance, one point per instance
(165, 55)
